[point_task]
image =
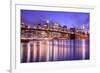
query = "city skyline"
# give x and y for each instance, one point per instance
(69, 19)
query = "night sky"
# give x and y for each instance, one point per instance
(70, 19)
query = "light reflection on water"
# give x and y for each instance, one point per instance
(54, 50)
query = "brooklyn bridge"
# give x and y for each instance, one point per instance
(41, 43)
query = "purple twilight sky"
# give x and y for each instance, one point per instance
(69, 19)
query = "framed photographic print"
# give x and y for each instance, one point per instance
(46, 37)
